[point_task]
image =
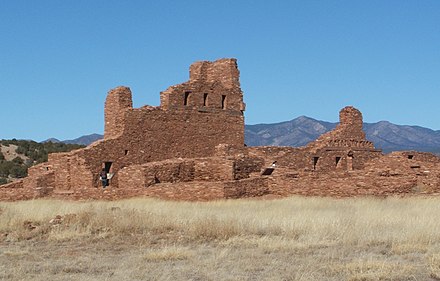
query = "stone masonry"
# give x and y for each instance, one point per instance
(191, 147)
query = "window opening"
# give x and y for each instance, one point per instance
(186, 100)
(126, 152)
(337, 160)
(410, 156)
(205, 99)
(223, 101)
(156, 179)
(107, 166)
(315, 162)
(350, 161)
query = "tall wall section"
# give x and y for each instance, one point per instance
(193, 118)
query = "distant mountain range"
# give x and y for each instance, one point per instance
(384, 135)
(302, 130)
(84, 140)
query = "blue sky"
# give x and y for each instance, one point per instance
(58, 59)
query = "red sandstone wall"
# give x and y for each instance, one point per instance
(71, 171)
(214, 169)
(254, 187)
(212, 86)
(348, 133)
(118, 100)
(188, 135)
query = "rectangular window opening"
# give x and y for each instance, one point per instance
(107, 166)
(186, 99)
(223, 101)
(315, 162)
(205, 99)
(337, 160)
(126, 152)
(410, 156)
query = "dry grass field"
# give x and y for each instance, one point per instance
(295, 238)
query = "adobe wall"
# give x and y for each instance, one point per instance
(213, 86)
(392, 174)
(213, 169)
(343, 149)
(117, 102)
(348, 133)
(161, 136)
(193, 118)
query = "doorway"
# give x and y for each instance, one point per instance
(107, 166)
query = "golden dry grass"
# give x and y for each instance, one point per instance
(295, 238)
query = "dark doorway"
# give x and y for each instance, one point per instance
(338, 159)
(186, 99)
(315, 162)
(223, 101)
(410, 156)
(205, 99)
(107, 166)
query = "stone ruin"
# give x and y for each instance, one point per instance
(191, 147)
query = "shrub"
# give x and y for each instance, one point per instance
(3, 180)
(18, 171)
(5, 167)
(17, 160)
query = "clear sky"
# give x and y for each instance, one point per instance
(58, 58)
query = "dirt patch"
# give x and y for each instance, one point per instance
(10, 152)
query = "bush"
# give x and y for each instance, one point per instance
(2, 157)
(3, 180)
(18, 172)
(5, 167)
(17, 160)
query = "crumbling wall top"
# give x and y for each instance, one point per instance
(348, 133)
(224, 71)
(117, 102)
(213, 86)
(352, 117)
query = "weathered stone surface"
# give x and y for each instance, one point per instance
(191, 147)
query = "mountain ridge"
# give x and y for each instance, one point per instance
(384, 134)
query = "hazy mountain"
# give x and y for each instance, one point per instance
(84, 140)
(54, 140)
(389, 137)
(297, 132)
(302, 130)
(383, 134)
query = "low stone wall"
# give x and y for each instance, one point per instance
(342, 185)
(15, 191)
(254, 187)
(187, 191)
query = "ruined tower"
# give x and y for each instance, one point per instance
(212, 87)
(117, 102)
